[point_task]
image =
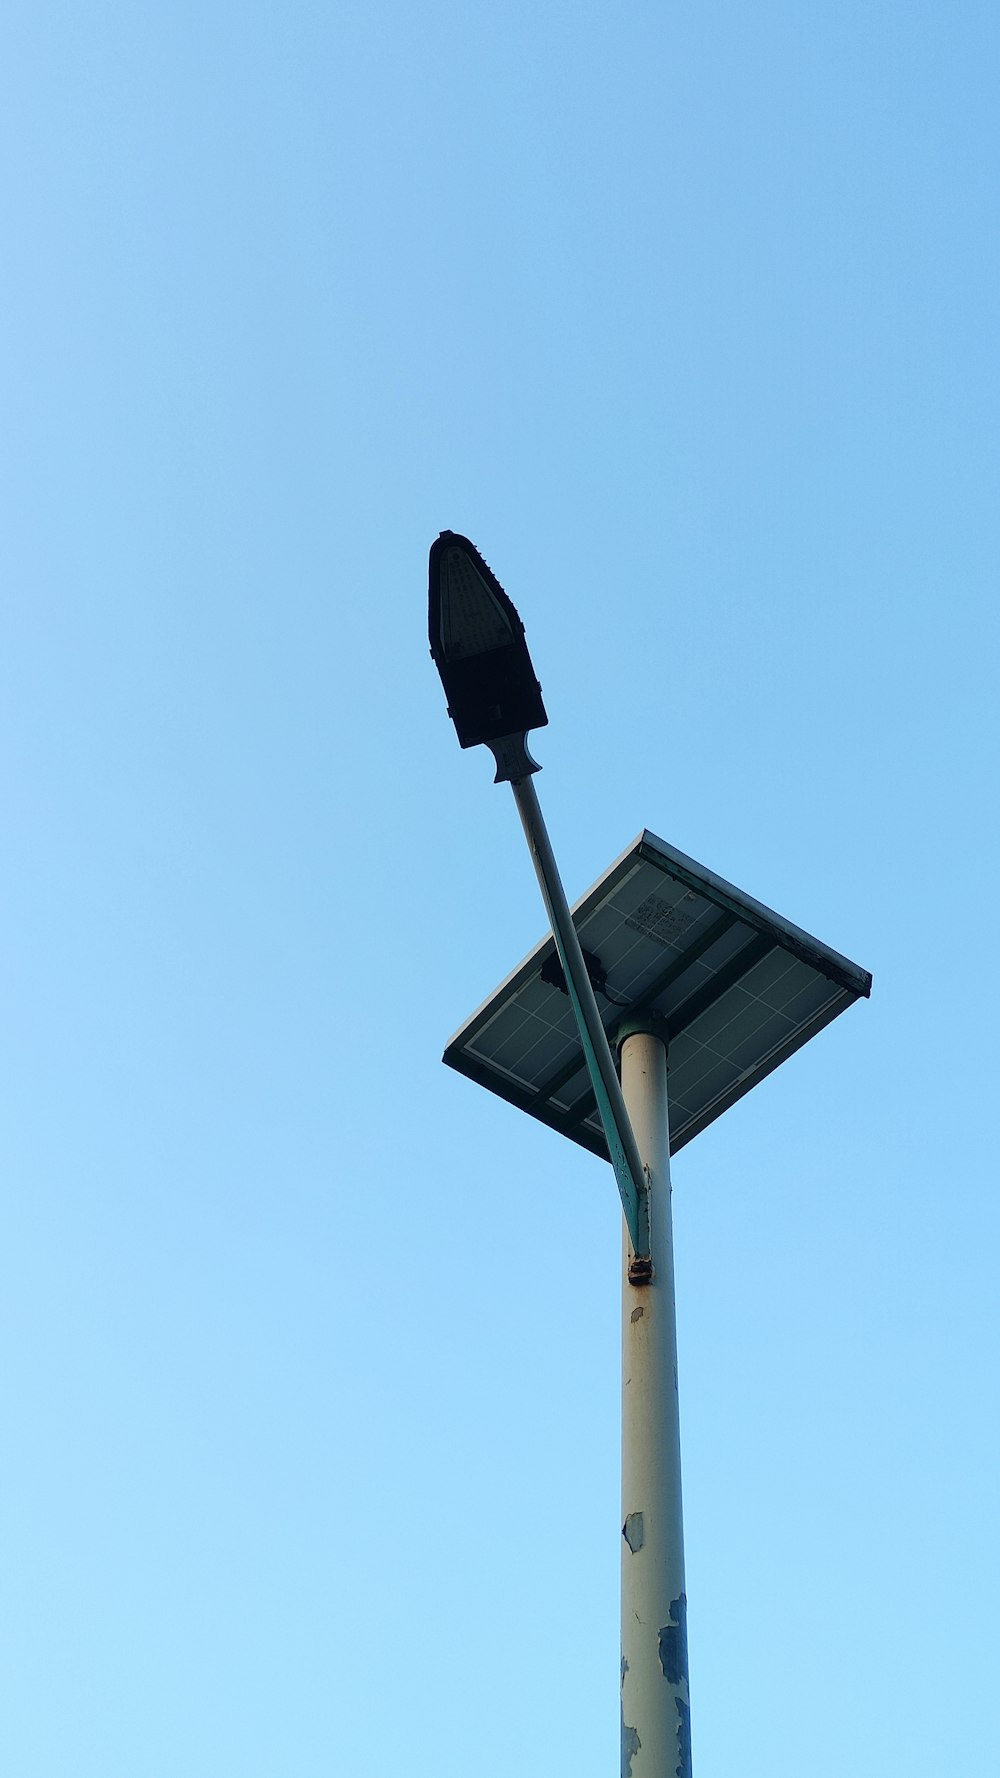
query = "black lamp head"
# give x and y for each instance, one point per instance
(477, 643)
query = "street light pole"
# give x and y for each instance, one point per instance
(477, 641)
(656, 1720)
(733, 987)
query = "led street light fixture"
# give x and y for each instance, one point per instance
(477, 644)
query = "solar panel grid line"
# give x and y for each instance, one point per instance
(808, 999)
(689, 1010)
(641, 974)
(734, 1010)
(669, 1003)
(741, 1023)
(694, 1067)
(534, 997)
(747, 908)
(677, 967)
(736, 1017)
(517, 1070)
(768, 975)
(700, 1118)
(566, 1072)
(687, 1074)
(522, 1031)
(759, 1038)
(747, 1026)
(748, 986)
(513, 1018)
(785, 985)
(624, 867)
(716, 1079)
(551, 1086)
(528, 1020)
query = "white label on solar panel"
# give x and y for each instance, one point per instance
(655, 918)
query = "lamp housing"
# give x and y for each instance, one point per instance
(478, 646)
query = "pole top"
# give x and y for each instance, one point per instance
(643, 1022)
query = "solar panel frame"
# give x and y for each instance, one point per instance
(735, 954)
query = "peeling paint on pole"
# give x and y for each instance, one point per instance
(630, 1747)
(633, 1532)
(673, 1650)
(683, 1766)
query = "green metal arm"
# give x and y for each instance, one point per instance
(621, 1141)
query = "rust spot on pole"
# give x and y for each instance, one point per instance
(640, 1269)
(637, 1314)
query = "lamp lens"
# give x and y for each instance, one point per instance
(472, 619)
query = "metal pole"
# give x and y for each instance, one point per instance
(656, 1723)
(622, 1148)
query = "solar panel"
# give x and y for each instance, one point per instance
(736, 987)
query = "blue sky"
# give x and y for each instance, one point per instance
(687, 316)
